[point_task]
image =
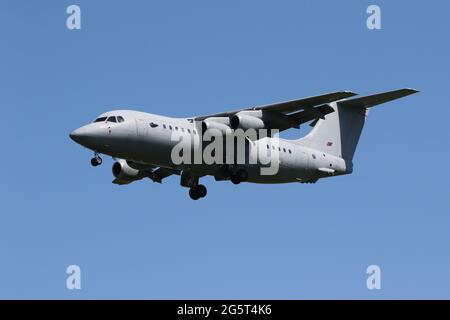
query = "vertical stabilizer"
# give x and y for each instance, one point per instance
(338, 134)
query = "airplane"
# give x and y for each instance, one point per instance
(142, 144)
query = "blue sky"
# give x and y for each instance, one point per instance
(183, 58)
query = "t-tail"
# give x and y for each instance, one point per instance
(338, 132)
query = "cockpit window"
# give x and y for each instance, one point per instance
(111, 119)
(120, 119)
(100, 119)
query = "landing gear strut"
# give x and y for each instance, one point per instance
(239, 176)
(197, 192)
(96, 160)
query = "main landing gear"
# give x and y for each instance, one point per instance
(197, 192)
(96, 160)
(239, 176)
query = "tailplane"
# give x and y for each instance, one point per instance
(338, 133)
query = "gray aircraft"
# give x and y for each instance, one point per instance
(143, 144)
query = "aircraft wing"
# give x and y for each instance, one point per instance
(291, 114)
(289, 106)
(376, 99)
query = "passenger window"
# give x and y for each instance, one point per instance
(189, 130)
(153, 125)
(290, 151)
(176, 128)
(120, 119)
(268, 147)
(170, 127)
(195, 132)
(164, 126)
(111, 119)
(284, 149)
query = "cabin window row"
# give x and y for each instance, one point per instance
(280, 149)
(176, 128)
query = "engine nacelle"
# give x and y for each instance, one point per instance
(220, 124)
(245, 122)
(123, 172)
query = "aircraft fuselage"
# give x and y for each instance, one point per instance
(147, 139)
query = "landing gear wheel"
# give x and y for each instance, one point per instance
(201, 190)
(240, 176)
(96, 161)
(198, 192)
(194, 194)
(235, 179)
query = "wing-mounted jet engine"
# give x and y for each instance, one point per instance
(127, 172)
(221, 124)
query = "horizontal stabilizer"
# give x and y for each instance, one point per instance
(376, 99)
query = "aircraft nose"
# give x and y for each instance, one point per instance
(78, 135)
(90, 136)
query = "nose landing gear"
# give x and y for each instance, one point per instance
(197, 192)
(96, 160)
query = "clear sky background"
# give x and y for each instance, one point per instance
(184, 58)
